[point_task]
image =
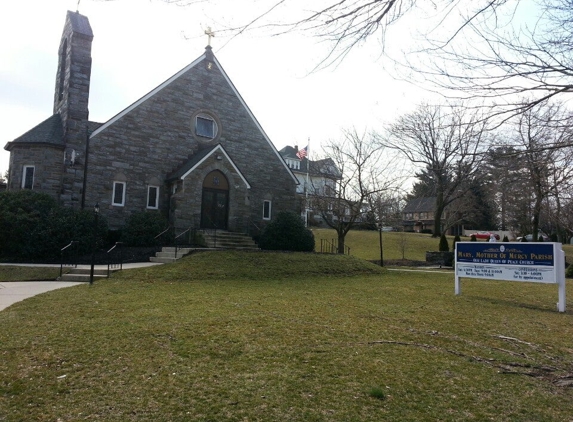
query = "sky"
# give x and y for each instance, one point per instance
(138, 44)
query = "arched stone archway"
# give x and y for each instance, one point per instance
(215, 201)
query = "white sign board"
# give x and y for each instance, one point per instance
(514, 261)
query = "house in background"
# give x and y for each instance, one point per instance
(418, 216)
(190, 149)
(317, 179)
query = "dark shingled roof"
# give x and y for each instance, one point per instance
(325, 167)
(421, 205)
(50, 131)
(188, 165)
(80, 24)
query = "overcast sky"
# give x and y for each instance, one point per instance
(139, 44)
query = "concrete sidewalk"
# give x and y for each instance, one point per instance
(15, 291)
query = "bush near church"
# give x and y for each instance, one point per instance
(287, 233)
(34, 226)
(141, 228)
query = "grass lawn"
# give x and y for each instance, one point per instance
(237, 336)
(365, 244)
(21, 273)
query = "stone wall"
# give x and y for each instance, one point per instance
(48, 167)
(156, 136)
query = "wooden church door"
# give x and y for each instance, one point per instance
(215, 201)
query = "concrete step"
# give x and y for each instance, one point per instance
(163, 260)
(81, 277)
(97, 271)
(171, 249)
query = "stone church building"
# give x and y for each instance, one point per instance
(190, 149)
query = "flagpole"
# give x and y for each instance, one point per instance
(306, 207)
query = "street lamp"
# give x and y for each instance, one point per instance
(94, 245)
(381, 251)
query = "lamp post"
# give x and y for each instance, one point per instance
(94, 245)
(381, 251)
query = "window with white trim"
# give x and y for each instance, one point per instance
(205, 127)
(118, 197)
(28, 177)
(266, 210)
(153, 197)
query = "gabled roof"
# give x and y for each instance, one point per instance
(210, 56)
(324, 167)
(50, 132)
(197, 159)
(424, 204)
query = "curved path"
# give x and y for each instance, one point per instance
(15, 291)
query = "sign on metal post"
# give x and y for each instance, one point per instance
(514, 261)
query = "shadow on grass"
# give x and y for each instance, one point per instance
(516, 305)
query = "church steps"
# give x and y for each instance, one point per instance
(83, 275)
(218, 240)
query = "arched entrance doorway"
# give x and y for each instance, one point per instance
(215, 201)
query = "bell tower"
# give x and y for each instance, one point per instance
(71, 98)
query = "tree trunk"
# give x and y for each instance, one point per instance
(341, 243)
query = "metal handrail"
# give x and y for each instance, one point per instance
(163, 232)
(75, 265)
(176, 240)
(109, 264)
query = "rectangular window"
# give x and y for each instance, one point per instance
(153, 197)
(28, 177)
(266, 210)
(205, 127)
(118, 198)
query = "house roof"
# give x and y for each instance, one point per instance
(324, 167)
(50, 132)
(198, 158)
(424, 204)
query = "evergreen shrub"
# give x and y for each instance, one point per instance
(141, 228)
(443, 247)
(33, 226)
(456, 240)
(287, 233)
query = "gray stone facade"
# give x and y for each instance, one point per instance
(157, 142)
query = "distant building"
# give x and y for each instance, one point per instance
(418, 216)
(317, 179)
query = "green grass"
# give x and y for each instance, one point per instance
(365, 244)
(21, 273)
(230, 336)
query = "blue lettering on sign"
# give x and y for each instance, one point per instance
(516, 253)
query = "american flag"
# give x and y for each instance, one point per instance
(302, 153)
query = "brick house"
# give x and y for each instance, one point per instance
(190, 149)
(418, 215)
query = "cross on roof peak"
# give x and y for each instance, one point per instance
(210, 34)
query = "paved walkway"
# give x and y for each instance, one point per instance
(15, 291)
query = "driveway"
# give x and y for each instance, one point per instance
(15, 291)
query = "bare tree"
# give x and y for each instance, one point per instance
(343, 24)
(512, 57)
(364, 168)
(543, 137)
(448, 142)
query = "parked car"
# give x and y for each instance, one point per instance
(484, 235)
(529, 237)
